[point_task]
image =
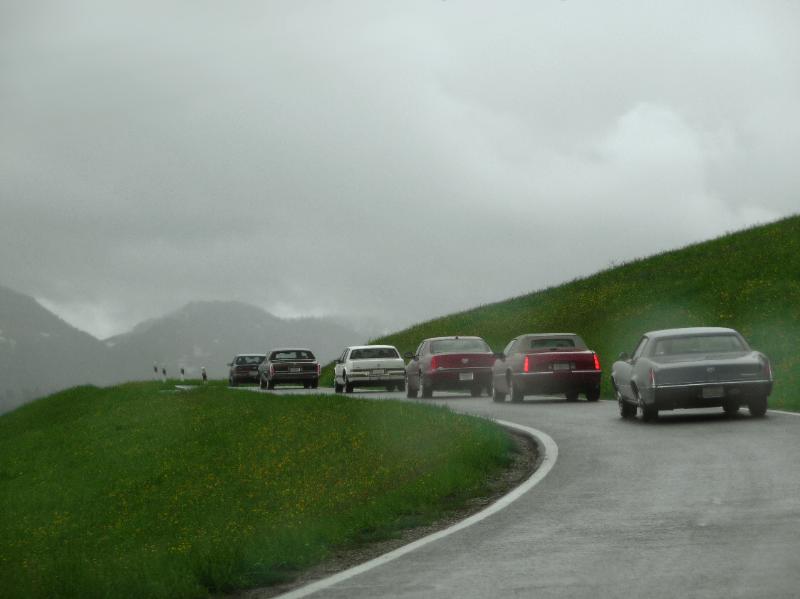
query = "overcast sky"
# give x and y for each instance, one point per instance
(385, 161)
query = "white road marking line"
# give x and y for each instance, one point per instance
(547, 462)
(787, 413)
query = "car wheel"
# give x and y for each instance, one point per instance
(390, 388)
(626, 410)
(757, 406)
(348, 386)
(516, 392)
(497, 396)
(315, 384)
(475, 391)
(232, 382)
(337, 388)
(270, 384)
(571, 395)
(731, 408)
(593, 394)
(306, 384)
(425, 390)
(649, 413)
(401, 386)
(411, 392)
(261, 384)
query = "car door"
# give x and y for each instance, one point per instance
(339, 367)
(624, 373)
(500, 367)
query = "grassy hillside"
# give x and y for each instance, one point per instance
(142, 491)
(748, 280)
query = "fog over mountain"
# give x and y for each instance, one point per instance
(40, 353)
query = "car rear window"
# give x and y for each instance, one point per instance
(292, 354)
(373, 353)
(698, 344)
(249, 360)
(556, 342)
(441, 346)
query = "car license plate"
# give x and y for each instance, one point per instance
(713, 392)
(376, 372)
(465, 376)
(295, 370)
(561, 366)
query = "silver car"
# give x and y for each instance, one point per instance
(700, 367)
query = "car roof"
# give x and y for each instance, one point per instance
(549, 335)
(454, 337)
(255, 353)
(689, 331)
(371, 346)
(272, 351)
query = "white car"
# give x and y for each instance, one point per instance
(369, 366)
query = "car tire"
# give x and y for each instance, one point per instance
(270, 384)
(337, 388)
(261, 383)
(232, 382)
(497, 396)
(758, 406)
(593, 394)
(390, 388)
(731, 408)
(306, 384)
(626, 410)
(516, 393)
(426, 391)
(649, 413)
(401, 386)
(571, 395)
(348, 386)
(475, 391)
(411, 392)
(315, 384)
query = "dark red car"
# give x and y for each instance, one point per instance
(289, 367)
(546, 364)
(450, 364)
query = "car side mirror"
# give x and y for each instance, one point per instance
(624, 356)
(500, 355)
(409, 356)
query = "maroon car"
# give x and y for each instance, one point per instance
(452, 364)
(546, 364)
(289, 367)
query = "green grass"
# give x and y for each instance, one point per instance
(141, 491)
(749, 280)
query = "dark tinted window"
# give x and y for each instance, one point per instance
(249, 360)
(698, 344)
(441, 346)
(556, 342)
(292, 354)
(373, 353)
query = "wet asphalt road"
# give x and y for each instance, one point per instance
(694, 505)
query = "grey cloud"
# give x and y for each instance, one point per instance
(384, 162)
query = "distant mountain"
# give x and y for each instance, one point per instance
(40, 353)
(209, 334)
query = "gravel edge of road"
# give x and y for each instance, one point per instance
(527, 460)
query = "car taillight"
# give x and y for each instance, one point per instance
(318, 368)
(526, 366)
(434, 362)
(271, 370)
(767, 370)
(652, 378)
(596, 362)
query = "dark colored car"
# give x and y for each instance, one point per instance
(547, 363)
(692, 368)
(289, 367)
(450, 363)
(244, 368)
